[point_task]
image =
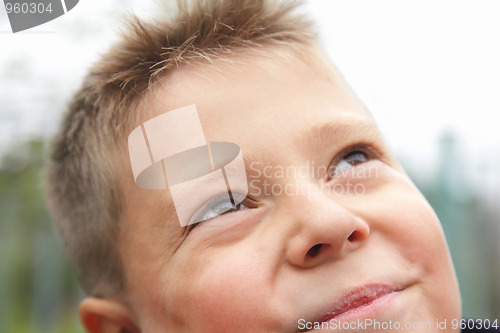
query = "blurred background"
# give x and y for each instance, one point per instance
(428, 70)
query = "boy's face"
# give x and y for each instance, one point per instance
(333, 227)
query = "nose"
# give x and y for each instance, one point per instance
(321, 230)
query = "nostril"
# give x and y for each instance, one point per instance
(355, 236)
(313, 251)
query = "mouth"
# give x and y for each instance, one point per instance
(361, 301)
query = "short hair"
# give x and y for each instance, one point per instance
(83, 191)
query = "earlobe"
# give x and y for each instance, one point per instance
(99, 315)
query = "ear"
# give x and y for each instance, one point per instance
(106, 316)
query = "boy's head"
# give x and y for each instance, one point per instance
(331, 227)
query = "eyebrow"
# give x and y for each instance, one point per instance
(250, 157)
(327, 132)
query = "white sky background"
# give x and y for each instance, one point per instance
(422, 67)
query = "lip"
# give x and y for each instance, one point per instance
(360, 301)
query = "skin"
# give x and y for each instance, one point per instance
(287, 256)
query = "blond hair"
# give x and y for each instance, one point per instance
(83, 190)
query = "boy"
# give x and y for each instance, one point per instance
(328, 235)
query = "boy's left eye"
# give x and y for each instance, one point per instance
(350, 160)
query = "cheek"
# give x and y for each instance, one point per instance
(395, 208)
(408, 223)
(225, 288)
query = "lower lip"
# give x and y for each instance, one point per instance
(367, 309)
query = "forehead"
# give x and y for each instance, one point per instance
(274, 97)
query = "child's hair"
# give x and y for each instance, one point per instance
(84, 192)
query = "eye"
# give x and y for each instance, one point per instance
(217, 206)
(349, 160)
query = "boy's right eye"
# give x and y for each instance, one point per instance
(217, 206)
